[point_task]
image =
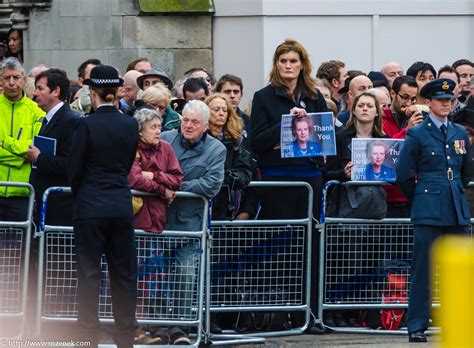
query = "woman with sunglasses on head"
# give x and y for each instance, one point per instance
(227, 126)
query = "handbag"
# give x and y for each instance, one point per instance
(137, 201)
(137, 204)
(361, 202)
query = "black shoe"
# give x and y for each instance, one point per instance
(328, 319)
(178, 337)
(352, 322)
(340, 320)
(417, 337)
(215, 329)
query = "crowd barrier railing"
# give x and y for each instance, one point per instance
(355, 257)
(260, 266)
(15, 244)
(165, 261)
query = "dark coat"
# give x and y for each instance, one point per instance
(238, 173)
(104, 148)
(52, 170)
(438, 196)
(245, 118)
(268, 105)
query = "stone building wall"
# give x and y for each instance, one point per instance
(115, 31)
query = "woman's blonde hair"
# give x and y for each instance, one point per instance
(305, 80)
(157, 92)
(377, 129)
(29, 87)
(234, 125)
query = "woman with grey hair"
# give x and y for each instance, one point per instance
(155, 170)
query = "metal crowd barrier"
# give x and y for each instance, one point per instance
(15, 243)
(260, 266)
(163, 296)
(355, 257)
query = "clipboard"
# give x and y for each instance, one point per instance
(46, 145)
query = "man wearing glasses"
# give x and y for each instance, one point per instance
(402, 115)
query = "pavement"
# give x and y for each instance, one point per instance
(347, 340)
(57, 331)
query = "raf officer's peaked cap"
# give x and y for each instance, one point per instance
(438, 89)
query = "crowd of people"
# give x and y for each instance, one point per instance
(115, 130)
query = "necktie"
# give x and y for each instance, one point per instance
(44, 124)
(443, 130)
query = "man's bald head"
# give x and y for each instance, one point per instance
(359, 85)
(391, 71)
(130, 78)
(38, 69)
(381, 95)
(130, 86)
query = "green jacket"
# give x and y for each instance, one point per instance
(19, 122)
(171, 120)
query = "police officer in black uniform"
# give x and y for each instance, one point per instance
(103, 150)
(434, 167)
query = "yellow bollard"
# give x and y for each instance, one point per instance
(455, 258)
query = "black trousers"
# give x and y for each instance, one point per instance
(292, 203)
(115, 238)
(59, 209)
(13, 208)
(289, 202)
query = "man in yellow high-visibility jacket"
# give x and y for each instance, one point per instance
(20, 121)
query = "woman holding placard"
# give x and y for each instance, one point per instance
(365, 121)
(292, 90)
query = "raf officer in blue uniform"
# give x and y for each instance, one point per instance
(435, 166)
